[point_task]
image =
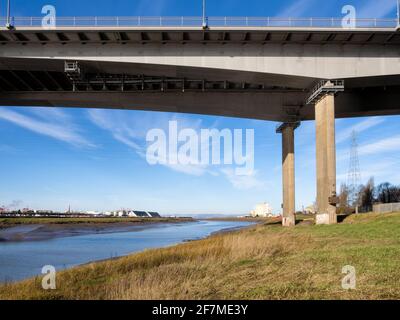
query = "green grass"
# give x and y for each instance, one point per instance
(262, 262)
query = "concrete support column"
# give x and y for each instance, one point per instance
(288, 175)
(326, 160)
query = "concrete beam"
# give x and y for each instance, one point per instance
(315, 61)
(267, 106)
(288, 175)
(326, 160)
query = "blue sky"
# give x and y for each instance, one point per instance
(283, 8)
(89, 159)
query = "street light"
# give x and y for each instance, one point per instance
(398, 13)
(8, 22)
(204, 15)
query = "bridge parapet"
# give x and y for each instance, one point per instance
(182, 21)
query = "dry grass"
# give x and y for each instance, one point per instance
(262, 262)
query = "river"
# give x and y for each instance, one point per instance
(25, 259)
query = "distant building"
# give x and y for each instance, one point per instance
(132, 214)
(262, 210)
(154, 214)
(44, 211)
(310, 210)
(141, 214)
(93, 213)
(122, 213)
(129, 213)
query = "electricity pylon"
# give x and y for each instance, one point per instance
(354, 174)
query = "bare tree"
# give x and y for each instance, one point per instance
(344, 199)
(366, 195)
(387, 193)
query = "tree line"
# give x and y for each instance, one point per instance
(366, 196)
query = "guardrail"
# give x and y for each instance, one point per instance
(197, 22)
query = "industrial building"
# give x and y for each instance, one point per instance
(262, 210)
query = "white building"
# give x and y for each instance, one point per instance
(263, 210)
(93, 213)
(310, 210)
(121, 213)
(132, 214)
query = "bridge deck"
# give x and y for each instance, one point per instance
(187, 21)
(189, 29)
(141, 35)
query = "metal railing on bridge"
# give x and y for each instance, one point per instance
(198, 21)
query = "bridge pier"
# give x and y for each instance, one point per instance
(288, 176)
(323, 97)
(326, 159)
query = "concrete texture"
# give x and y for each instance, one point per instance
(326, 159)
(286, 63)
(288, 176)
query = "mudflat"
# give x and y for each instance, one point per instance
(44, 231)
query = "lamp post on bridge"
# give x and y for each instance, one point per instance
(204, 23)
(398, 14)
(8, 20)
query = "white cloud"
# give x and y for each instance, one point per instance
(157, 7)
(382, 171)
(298, 8)
(376, 9)
(391, 144)
(56, 127)
(364, 125)
(242, 182)
(132, 131)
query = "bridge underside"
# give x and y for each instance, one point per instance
(279, 74)
(44, 82)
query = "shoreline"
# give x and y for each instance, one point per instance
(132, 228)
(241, 265)
(215, 233)
(39, 231)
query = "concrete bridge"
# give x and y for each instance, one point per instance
(288, 71)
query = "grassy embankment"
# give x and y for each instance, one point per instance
(262, 262)
(9, 222)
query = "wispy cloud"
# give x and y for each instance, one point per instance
(243, 182)
(157, 7)
(364, 125)
(376, 9)
(391, 144)
(382, 170)
(379, 147)
(132, 131)
(57, 126)
(298, 8)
